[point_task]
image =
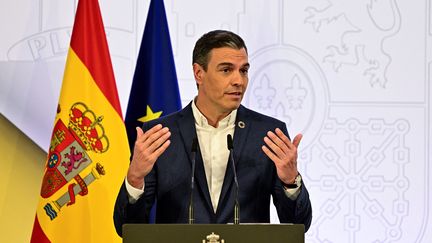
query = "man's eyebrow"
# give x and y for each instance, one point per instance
(225, 64)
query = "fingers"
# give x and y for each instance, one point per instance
(297, 140)
(151, 144)
(155, 140)
(278, 142)
(148, 147)
(270, 154)
(282, 136)
(152, 138)
(278, 145)
(283, 153)
(287, 141)
(142, 137)
(275, 144)
(139, 132)
(162, 148)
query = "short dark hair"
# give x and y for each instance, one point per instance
(215, 39)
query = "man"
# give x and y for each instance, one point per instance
(265, 158)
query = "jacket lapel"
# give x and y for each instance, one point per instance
(186, 125)
(242, 126)
(241, 130)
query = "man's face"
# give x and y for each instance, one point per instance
(222, 86)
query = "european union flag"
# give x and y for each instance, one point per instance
(154, 91)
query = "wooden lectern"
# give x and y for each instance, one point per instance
(213, 233)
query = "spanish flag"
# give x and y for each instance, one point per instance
(89, 153)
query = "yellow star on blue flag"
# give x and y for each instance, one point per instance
(150, 115)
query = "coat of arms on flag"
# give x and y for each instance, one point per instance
(68, 156)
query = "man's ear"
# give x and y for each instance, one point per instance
(198, 72)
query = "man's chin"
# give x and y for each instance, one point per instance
(234, 106)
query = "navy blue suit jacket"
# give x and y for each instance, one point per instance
(169, 181)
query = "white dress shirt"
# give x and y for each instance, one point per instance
(214, 149)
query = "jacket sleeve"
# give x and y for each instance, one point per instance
(127, 213)
(138, 212)
(297, 211)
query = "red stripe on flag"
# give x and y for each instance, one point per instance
(38, 236)
(89, 43)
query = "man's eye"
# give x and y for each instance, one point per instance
(225, 70)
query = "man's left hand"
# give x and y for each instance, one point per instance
(283, 153)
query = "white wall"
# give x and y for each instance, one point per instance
(352, 76)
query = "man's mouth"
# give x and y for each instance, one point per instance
(235, 93)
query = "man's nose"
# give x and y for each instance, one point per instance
(238, 79)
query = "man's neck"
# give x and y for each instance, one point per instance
(213, 117)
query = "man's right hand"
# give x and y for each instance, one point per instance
(148, 147)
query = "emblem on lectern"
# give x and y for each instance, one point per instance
(213, 238)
